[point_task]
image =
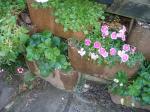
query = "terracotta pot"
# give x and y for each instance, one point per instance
(43, 20)
(128, 102)
(101, 71)
(140, 37)
(58, 78)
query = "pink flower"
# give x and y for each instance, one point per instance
(97, 45)
(123, 30)
(103, 52)
(123, 38)
(126, 47)
(20, 70)
(120, 35)
(87, 42)
(113, 51)
(104, 30)
(114, 35)
(105, 34)
(124, 57)
(133, 49)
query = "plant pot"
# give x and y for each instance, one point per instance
(101, 71)
(128, 102)
(140, 37)
(43, 19)
(58, 78)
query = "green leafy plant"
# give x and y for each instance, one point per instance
(76, 15)
(138, 87)
(48, 51)
(12, 36)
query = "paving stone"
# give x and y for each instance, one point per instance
(49, 99)
(6, 93)
(79, 105)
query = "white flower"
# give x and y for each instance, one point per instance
(121, 84)
(133, 104)
(62, 98)
(42, 1)
(122, 101)
(82, 52)
(86, 86)
(1, 70)
(120, 53)
(93, 56)
(116, 80)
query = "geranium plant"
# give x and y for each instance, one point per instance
(48, 51)
(108, 46)
(138, 87)
(75, 15)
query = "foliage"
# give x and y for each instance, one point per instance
(138, 88)
(107, 46)
(76, 15)
(12, 36)
(28, 79)
(11, 6)
(48, 51)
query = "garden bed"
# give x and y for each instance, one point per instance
(100, 71)
(43, 19)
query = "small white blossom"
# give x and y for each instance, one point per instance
(120, 53)
(93, 56)
(122, 101)
(116, 80)
(82, 52)
(42, 1)
(86, 86)
(2, 70)
(133, 104)
(121, 84)
(62, 98)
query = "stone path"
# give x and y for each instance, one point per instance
(51, 99)
(7, 93)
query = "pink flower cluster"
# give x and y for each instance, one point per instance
(114, 35)
(126, 48)
(104, 30)
(123, 53)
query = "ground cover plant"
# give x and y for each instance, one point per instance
(48, 51)
(138, 87)
(78, 15)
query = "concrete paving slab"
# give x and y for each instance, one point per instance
(49, 99)
(6, 93)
